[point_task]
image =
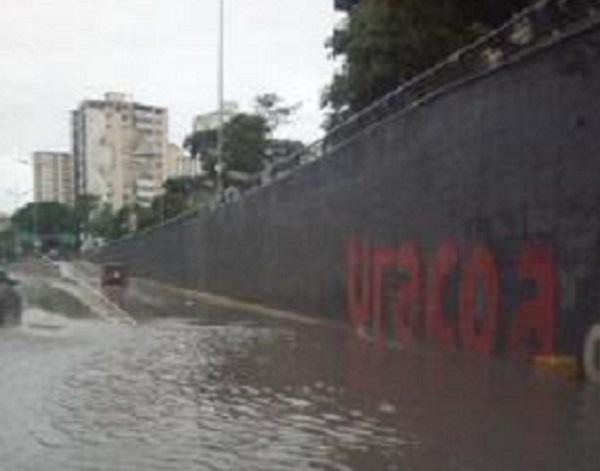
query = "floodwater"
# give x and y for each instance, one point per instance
(211, 388)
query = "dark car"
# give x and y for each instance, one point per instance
(10, 301)
(115, 274)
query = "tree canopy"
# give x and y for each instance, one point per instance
(245, 143)
(85, 207)
(274, 111)
(386, 42)
(45, 218)
(202, 144)
(246, 137)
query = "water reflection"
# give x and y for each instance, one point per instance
(232, 391)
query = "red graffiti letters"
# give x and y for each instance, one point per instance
(456, 303)
(533, 328)
(478, 335)
(409, 292)
(383, 260)
(438, 327)
(359, 289)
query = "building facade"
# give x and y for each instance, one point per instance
(119, 145)
(179, 164)
(211, 121)
(53, 177)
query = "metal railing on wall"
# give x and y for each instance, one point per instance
(535, 26)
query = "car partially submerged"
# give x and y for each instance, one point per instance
(11, 304)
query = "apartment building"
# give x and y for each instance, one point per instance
(53, 177)
(118, 146)
(180, 164)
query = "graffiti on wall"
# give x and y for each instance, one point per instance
(457, 300)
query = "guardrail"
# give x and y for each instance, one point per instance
(534, 26)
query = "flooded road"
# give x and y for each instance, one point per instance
(211, 388)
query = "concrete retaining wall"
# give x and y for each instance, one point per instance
(471, 219)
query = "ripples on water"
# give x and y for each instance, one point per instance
(209, 397)
(241, 393)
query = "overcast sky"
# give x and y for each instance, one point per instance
(55, 53)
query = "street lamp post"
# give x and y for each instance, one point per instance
(221, 77)
(17, 195)
(35, 206)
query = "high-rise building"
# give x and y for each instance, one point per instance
(53, 177)
(118, 146)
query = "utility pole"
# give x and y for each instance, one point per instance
(35, 240)
(17, 195)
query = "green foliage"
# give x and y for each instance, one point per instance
(85, 206)
(174, 202)
(245, 143)
(272, 108)
(180, 195)
(246, 137)
(109, 225)
(386, 42)
(106, 225)
(182, 186)
(147, 217)
(200, 143)
(7, 244)
(45, 218)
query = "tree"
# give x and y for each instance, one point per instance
(7, 244)
(102, 224)
(51, 224)
(245, 142)
(276, 114)
(85, 207)
(202, 145)
(176, 199)
(147, 217)
(246, 137)
(386, 42)
(180, 195)
(45, 218)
